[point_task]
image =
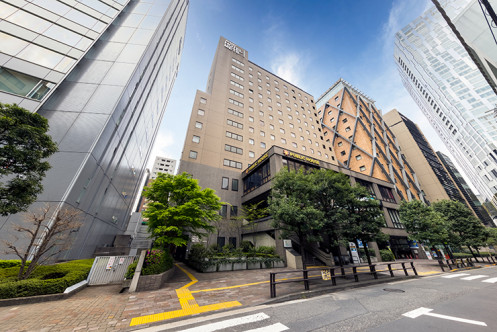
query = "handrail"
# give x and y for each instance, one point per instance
(464, 262)
(305, 274)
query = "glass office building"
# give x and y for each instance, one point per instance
(101, 72)
(452, 93)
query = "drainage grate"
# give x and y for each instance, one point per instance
(394, 290)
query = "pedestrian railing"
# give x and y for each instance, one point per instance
(459, 263)
(329, 273)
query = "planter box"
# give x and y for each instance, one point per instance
(279, 264)
(224, 267)
(154, 281)
(239, 266)
(254, 266)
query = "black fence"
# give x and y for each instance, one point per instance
(329, 273)
(459, 263)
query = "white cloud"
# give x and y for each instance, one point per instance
(288, 67)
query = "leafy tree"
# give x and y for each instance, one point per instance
(24, 144)
(422, 223)
(251, 214)
(46, 238)
(333, 195)
(292, 206)
(178, 208)
(365, 218)
(463, 227)
(491, 237)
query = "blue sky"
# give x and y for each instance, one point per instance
(309, 43)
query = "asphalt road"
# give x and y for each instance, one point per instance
(458, 301)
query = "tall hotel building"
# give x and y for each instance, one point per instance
(250, 123)
(101, 71)
(452, 92)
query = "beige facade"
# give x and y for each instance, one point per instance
(363, 143)
(248, 110)
(428, 180)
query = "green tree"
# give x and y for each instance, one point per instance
(491, 237)
(24, 144)
(422, 223)
(463, 227)
(179, 208)
(365, 218)
(332, 195)
(292, 206)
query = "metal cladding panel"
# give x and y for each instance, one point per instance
(60, 122)
(60, 177)
(103, 100)
(89, 71)
(109, 269)
(69, 97)
(83, 133)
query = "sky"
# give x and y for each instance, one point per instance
(308, 43)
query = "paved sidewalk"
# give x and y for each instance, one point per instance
(103, 308)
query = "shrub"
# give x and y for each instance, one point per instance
(10, 263)
(157, 261)
(387, 255)
(246, 246)
(266, 250)
(131, 270)
(50, 279)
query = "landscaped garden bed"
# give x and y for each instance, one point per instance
(46, 279)
(244, 258)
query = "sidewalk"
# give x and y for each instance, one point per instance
(102, 308)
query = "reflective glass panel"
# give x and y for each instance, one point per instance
(63, 35)
(11, 45)
(40, 55)
(29, 21)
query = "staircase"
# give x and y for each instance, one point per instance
(314, 255)
(139, 234)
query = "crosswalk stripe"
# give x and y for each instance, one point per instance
(491, 280)
(229, 323)
(455, 275)
(271, 328)
(478, 276)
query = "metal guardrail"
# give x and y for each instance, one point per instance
(109, 269)
(330, 272)
(458, 263)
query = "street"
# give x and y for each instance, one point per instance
(457, 301)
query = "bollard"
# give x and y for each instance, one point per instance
(354, 270)
(332, 273)
(306, 280)
(390, 269)
(404, 267)
(372, 269)
(440, 262)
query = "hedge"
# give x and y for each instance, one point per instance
(386, 255)
(50, 279)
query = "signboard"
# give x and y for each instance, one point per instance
(325, 274)
(121, 260)
(110, 262)
(287, 243)
(256, 163)
(232, 47)
(300, 157)
(354, 253)
(413, 244)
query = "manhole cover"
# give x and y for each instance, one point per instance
(393, 290)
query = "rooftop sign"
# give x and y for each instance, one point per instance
(300, 157)
(232, 47)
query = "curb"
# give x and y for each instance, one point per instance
(70, 291)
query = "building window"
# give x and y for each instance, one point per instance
(234, 124)
(224, 211)
(251, 141)
(234, 184)
(200, 112)
(251, 154)
(225, 183)
(263, 145)
(203, 101)
(193, 154)
(362, 168)
(196, 139)
(395, 218)
(340, 144)
(233, 149)
(232, 163)
(234, 211)
(358, 157)
(347, 129)
(234, 136)
(386, 194)
(235, 113)
(198, 125)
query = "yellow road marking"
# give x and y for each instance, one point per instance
(428, 273)
(192, 278)
(188, 305)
